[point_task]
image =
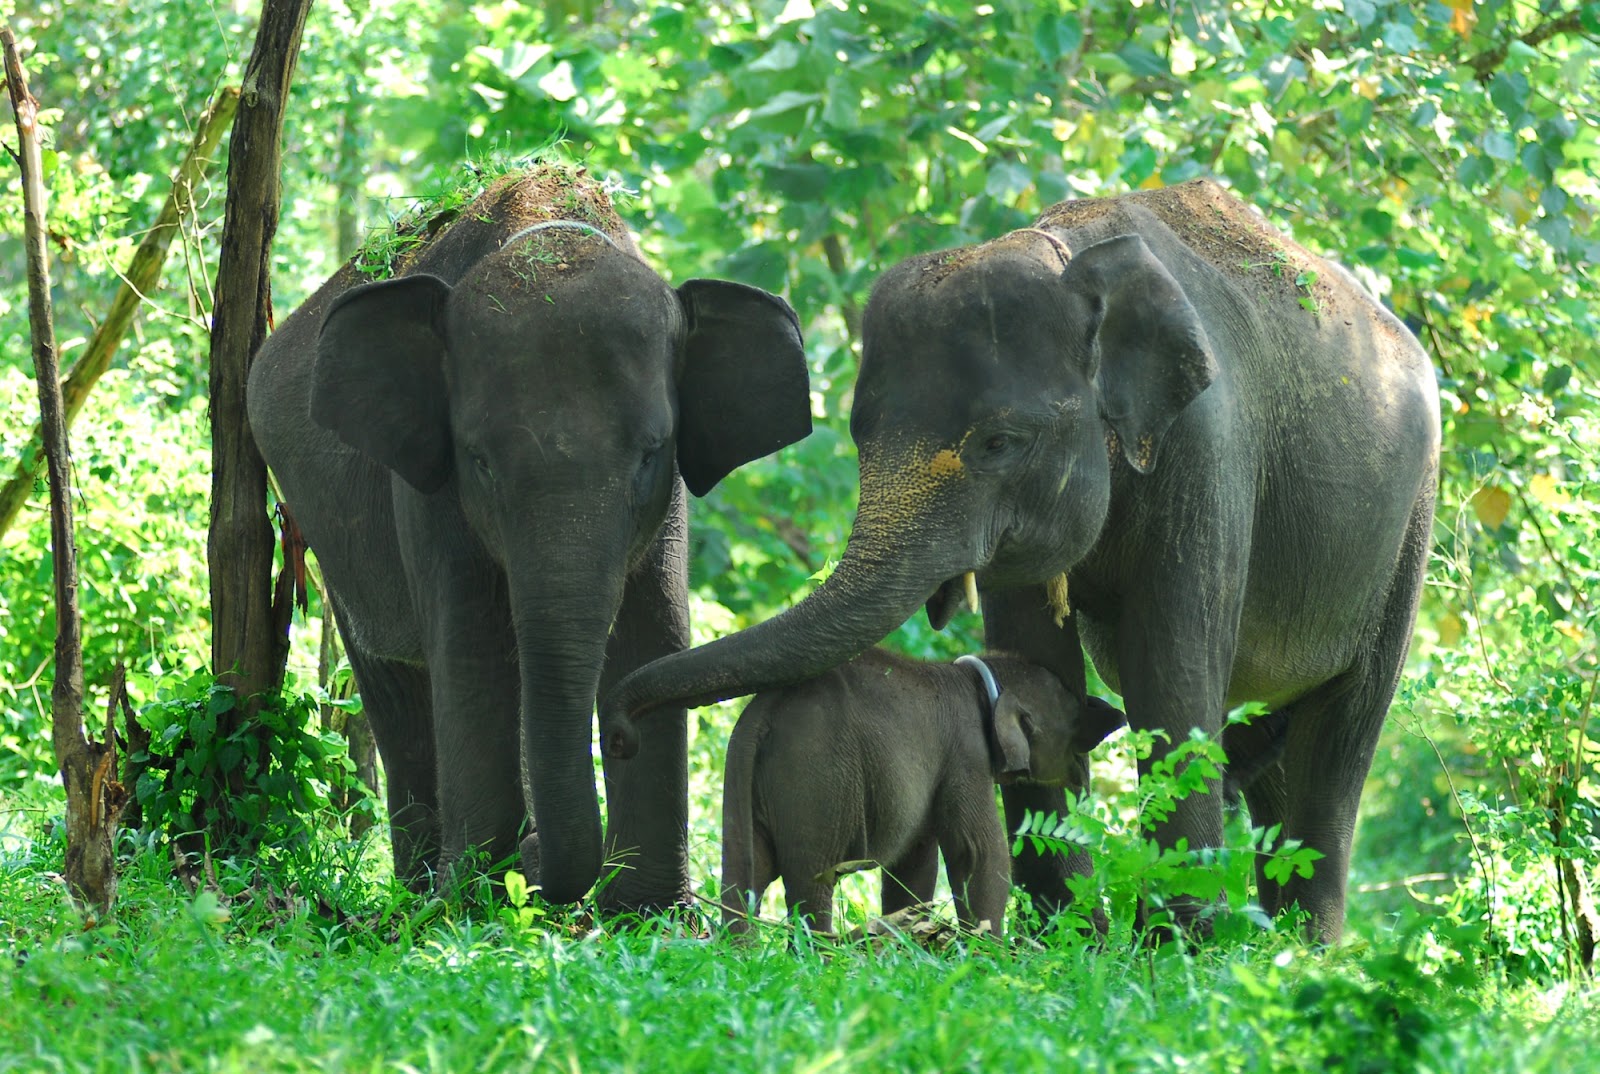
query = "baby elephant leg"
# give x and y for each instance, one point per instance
(978, 865)
(910, 880)
(810, 895)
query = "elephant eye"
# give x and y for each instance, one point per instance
(481, 465)
(649, 463)
(997, 443)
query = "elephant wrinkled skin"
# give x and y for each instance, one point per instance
(894, 760)
(484, 453)
(1227, 446)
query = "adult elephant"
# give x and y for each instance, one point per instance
(1227, 447)
(484, 453)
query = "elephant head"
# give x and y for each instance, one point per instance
(1002, 388)
(537, 411)
(1041, 733)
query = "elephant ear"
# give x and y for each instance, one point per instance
(1013, 726)
(1100, 718)
(1148, 351)
(379, 380)
(744, 391)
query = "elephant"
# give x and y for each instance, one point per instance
(895, 760)
(484, 452)
(1155, 430)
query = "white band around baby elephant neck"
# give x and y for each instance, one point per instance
(991, 688)
(548, 225)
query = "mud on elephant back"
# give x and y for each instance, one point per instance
(484, 452)
(1212, 445)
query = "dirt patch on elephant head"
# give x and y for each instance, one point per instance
(1222, 230)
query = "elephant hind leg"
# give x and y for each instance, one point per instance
(397, 699)
(809, 893)
(910, 880)
(1332, 736)
(745, 882)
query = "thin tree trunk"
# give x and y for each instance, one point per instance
(94, 797)
(144, 273)
(348, 170)
(239, 550)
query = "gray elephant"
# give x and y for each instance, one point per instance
(484, 453)
(1212, 446)
(895, 760)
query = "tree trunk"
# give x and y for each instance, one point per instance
(142, 276)
(239, 550)
(348, 168)
(88, 769)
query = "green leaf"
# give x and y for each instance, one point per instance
(786, 101)
(784, 56)
(1006, 180)
(1509, 92)
(1056, 36)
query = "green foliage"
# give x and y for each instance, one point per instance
(1447, 152)
(312, 963)
(1135, 881)
(266, 782)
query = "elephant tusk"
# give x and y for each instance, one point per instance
(1056, 593)
(970, 580)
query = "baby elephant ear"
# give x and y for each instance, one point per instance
(1011, 726)
(1100, 718)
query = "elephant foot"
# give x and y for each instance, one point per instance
(528, 855)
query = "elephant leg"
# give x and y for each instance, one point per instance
(397, 701)
(1021, 621)
(647, 796)
(1255, 773)
(1333, 735)
(741, 896)
(910, 880)
(1176, 642)
(978, 866)
(812, 899)
(476, 692)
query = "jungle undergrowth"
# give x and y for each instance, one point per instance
(478, 989)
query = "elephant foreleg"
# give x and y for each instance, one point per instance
(978, 866)
(647, 796)
(1022, 621)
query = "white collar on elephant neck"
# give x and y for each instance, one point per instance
(991, 699)
(990, 687)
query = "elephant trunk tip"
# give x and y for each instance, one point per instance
(620, 739)
(563, 877)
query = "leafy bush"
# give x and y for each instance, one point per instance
(1135, 881)
(265, 783)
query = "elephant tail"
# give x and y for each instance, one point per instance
(740, 893)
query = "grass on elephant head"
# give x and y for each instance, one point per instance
(385, 249)
(326, 966)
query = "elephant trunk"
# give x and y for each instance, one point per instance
(562, 631)
(877, 585)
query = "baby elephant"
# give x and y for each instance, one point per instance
(894, 760)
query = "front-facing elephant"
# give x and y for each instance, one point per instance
(484, 452)
(1214, 446)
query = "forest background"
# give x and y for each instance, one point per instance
(1445, 151)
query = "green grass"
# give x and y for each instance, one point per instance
(326, 967)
